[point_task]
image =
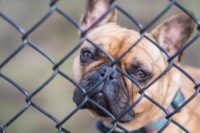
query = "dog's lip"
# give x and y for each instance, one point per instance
(120, 120)
(126, 118)
(99, 99)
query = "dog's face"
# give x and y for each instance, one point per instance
(143, 63)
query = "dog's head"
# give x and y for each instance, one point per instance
(143, 63)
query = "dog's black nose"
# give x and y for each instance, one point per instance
(106, 69)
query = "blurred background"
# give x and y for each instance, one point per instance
(57, 37)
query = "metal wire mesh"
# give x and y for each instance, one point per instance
(56, 71)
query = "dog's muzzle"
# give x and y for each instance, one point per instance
(111, 94)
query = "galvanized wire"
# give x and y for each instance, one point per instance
(25, 41)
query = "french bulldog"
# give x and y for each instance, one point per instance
(140, 66)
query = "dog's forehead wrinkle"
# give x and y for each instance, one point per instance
(143, 57)
(135, 62)
(111, 41)
(87, 45)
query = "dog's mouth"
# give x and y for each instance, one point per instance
(116, 111)
(99, 99)
(112, 95)
(111, 108)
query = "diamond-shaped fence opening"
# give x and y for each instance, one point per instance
(20, 73)
(5, 48)
(57, 70)
(12, 100)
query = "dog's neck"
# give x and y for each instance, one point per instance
(156, 125)
(162, 121)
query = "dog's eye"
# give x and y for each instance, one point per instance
(141, 74)
(87, 55)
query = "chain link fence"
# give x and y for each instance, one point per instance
(56, 70)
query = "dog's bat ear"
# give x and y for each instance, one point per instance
(174, 32)
(94, 10)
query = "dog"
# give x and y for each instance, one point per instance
(143, 63)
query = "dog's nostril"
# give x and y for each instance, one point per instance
(104, 70)
(114, 75)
